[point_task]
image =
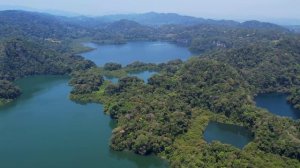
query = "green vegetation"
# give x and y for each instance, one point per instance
(168, 115)
(190, 150)
(8, 91)
(271, 67)
(294, 98)
(112, 66)
(86, 82)
(20, 58)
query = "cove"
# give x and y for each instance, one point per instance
(113, 80)
(229, 134)
(44, 129)
(277, 104)
(148, 52)
(144, 75)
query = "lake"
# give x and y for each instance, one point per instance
(144, 75)
(148, 52)
(277, 104)
(113, 80)
(229, 134)
(44, 129)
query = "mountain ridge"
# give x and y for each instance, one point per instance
(150, 19)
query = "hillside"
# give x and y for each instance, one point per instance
(295, 28)
(271, 67)
(158, 19)
(21, 57)
(25, 35)
(35, 25)
(168, 115)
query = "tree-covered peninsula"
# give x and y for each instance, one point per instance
(168, 115)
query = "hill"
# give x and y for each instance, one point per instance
(158, 19)
(24, 57)
(36, 25)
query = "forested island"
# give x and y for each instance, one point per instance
(168, 115)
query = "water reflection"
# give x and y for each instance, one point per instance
(277, 104)
(229, 134)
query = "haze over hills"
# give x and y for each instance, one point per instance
(29, 9)
(58, 32)
(151, 19)
(148, 17)
(143, 26)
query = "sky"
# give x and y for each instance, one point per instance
(215, 9)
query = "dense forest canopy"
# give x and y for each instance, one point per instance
(168, 115)
(294, 98)
(20, 57)
(269, 67)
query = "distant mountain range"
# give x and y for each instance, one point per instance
(295, 28)
(156, 19)
(151, 18)
(46, 25)
(160, 19)
(48, 11)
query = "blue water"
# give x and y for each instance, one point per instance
(229, 134)
(145, 75)
(148, 52)
(111, 79)
(44, 129)
(277, 104)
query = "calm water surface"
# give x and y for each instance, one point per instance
(148, 52)
(144, 75)
(44, 129)
(113, 80)
(229, 134)
(277, 104)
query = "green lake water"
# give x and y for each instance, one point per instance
(228, 134)
(277, 104)
(144, 75)
(44, 129)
